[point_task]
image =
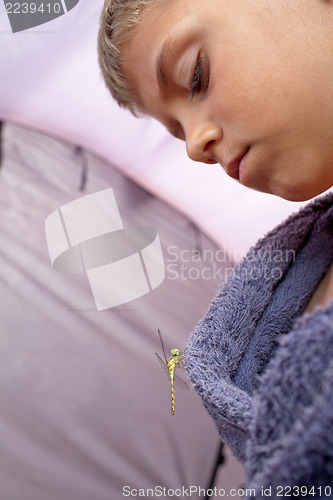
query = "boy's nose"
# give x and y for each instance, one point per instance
(202, 140)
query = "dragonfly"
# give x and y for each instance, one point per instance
(170, 365)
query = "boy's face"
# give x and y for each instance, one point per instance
(246, 83)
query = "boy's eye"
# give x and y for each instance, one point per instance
(198, 83)
(196, 78)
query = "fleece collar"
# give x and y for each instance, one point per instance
(269, 289)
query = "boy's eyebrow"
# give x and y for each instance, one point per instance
(160, 69)
(171, 49)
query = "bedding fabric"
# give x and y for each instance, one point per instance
(270, 394)
(85, 406)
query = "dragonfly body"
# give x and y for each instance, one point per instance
(170, 365)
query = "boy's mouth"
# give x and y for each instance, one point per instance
(234, 166)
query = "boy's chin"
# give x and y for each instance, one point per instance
(299, 191)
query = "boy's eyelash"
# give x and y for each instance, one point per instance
(196, 83)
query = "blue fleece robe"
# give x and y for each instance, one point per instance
(263, 369)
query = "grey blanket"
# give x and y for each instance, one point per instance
(264, 370)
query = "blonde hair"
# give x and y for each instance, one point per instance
(117, 22)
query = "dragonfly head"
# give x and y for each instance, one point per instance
(175, 352)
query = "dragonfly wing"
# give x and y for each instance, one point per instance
(164, 365)
(161, 340)
(180, 383)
